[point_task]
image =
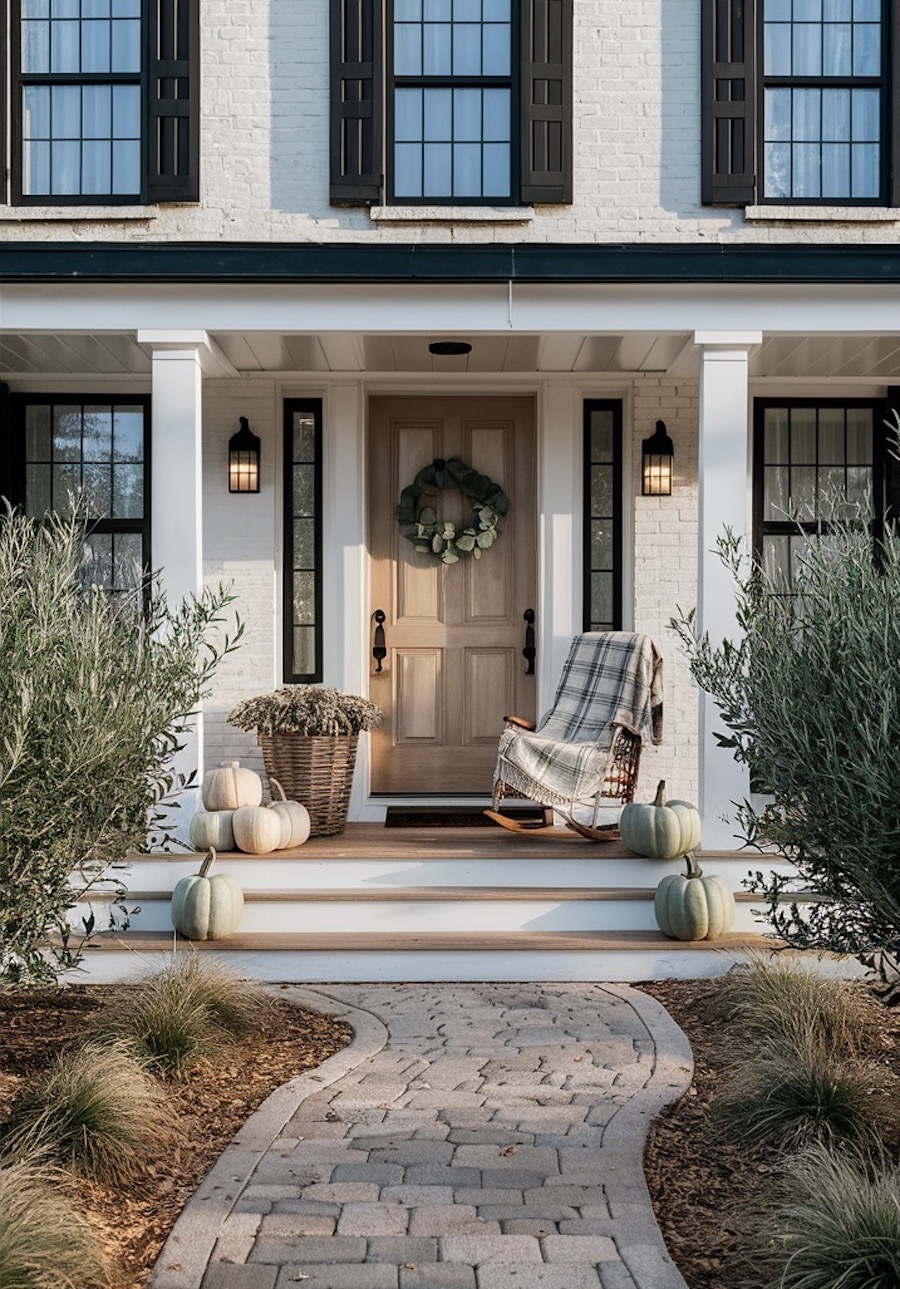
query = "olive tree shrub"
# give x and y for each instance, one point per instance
(809, 693)
(96, 694)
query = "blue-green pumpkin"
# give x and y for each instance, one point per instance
(660, 829)
(204, 907)
(689, 906)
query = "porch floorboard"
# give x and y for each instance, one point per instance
(375, 841)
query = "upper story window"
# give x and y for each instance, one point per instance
(104, 101)
(797, 102)
(451, 102)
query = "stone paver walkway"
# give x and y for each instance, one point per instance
(472, 1137)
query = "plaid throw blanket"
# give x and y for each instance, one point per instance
(610, 679)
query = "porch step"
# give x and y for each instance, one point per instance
(417, 956)
(432, 909)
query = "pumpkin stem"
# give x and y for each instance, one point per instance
(276, 784)
(208, 862)
(660, 798)
(693, 868)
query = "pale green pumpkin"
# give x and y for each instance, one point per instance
(212, 828)
(689, 906)
(204, 907)
(661, 829)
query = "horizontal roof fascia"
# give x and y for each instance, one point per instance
(289, 262)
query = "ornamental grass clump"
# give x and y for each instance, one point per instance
(45, 1240)
(789, 1097)
(785, 1004)
(185, 1013)
(94, 1110)
(306, 709)
(839, 1228)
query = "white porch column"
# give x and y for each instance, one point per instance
(724, 463)
(176, 507)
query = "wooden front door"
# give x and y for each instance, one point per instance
(454, 633)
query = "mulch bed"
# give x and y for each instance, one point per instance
(212, 1100)
(704, 1187)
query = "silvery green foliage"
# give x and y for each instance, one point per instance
(306, 709)
(809, 694)
(96, 694)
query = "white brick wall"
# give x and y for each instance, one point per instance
(665, 574)
(241, 542)
(264, 143)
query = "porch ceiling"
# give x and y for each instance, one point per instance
(857, 357)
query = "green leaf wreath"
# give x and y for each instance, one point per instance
(420, 524)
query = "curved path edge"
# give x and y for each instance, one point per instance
(639, 1239)
(184, 1257)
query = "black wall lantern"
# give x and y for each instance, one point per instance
(243, 460)
(657, 455)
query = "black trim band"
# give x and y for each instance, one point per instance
(346, 262)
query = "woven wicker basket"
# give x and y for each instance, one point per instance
(316, 770)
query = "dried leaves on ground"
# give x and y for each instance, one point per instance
(703, 1186)
(212, 1101)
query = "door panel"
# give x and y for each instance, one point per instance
(454, 633)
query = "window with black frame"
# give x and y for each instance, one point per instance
(824, 73)
(816, 461)
(104, 101)
(452, 100)
(303, 540)
(602, 515)
(93, 452)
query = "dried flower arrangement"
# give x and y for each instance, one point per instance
(306, 709)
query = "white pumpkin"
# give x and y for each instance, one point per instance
(294, 816)
(230, 787)
(212, 828)
(204, 907)
(257, 830)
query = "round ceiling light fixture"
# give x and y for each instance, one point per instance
(449, 348)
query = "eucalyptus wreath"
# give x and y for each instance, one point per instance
(420, 524)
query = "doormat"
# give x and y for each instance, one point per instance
(453, 816)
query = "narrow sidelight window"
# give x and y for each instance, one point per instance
(602, 515)
(303, 541)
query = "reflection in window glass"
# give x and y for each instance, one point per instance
(92, 452)
(302, 603)
(602, 447)
(822, 141)
(452, 141)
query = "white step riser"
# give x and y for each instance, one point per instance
(266, 872)
(661, 964)
(411, 917)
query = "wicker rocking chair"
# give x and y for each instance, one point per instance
(586, 749)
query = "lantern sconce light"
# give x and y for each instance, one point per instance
(243, 460)
(657, 455)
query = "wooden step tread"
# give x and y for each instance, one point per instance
(434, 941)
(442, 894)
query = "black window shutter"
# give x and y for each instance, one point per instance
(356, 108)
(173, 101)
(546, 81)
(728, 102)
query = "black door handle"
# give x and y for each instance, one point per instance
(379, 648)
(529, 653)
